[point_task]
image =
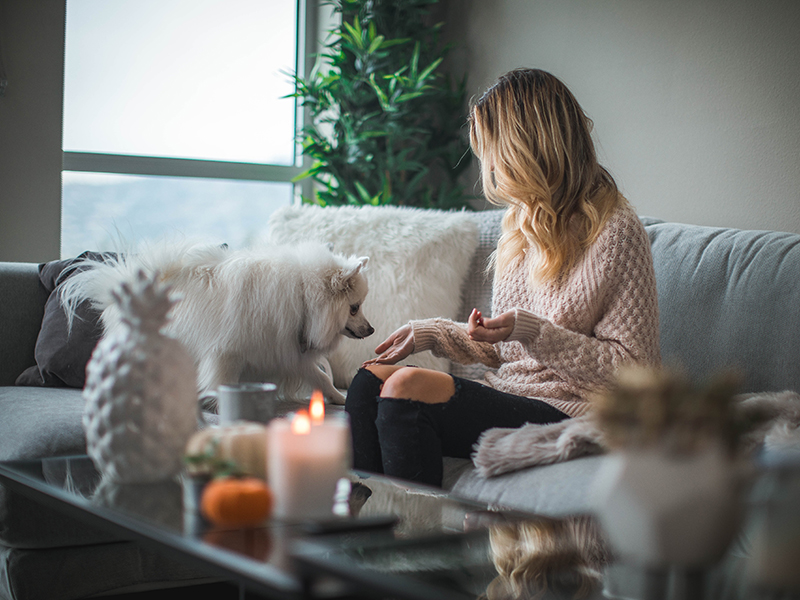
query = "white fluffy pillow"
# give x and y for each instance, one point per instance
(418, 262)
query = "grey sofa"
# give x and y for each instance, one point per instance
(727, 298)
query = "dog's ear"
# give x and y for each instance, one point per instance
(343, 278)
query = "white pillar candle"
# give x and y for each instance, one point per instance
(307, 456)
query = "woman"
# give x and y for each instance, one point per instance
(574, 295)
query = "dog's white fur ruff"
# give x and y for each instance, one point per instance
(271, 313)
(502, 450)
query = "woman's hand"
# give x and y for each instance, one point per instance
(395, 348)
(492, 330)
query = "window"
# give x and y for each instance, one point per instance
(176, 120)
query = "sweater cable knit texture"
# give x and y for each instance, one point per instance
(570, 335)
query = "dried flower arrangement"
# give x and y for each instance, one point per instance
(659, 408)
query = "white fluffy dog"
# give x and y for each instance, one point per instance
(271, 313)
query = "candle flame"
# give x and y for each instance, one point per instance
(301, 425)
(317, 408)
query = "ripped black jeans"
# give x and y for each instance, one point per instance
(407, 439)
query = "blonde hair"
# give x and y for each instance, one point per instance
(537, 157)
(535, 559)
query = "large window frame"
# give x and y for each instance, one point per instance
(306, 29)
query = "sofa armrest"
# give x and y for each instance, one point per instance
(22, 300)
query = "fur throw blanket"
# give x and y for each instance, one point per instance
(502, 450)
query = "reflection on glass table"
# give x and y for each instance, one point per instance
(400, 541)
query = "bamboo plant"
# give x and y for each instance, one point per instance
(386, 123)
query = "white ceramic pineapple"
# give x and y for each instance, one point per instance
(140, 394)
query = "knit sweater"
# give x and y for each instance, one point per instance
(571, 335)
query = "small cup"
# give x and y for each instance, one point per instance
(246, 402)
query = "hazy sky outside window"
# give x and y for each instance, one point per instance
(196, 79)
(181, 78)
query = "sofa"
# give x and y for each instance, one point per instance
(727, 299)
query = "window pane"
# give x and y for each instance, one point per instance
(99, 210)
(181, 78)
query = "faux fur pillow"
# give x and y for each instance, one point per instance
(418, 262)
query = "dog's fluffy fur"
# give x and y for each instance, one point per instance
(271, 313)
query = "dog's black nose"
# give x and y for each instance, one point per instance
(370, 331)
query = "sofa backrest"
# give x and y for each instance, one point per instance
(22, 300)
(728, 299)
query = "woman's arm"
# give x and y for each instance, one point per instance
(444, 338)
(448, 339)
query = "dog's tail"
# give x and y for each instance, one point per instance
(94, 277)
(92, 280)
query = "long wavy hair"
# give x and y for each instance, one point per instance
(534, 143)
(547, 558)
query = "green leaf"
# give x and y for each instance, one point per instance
(429, 69)
(362, 191)
(415, 61)
(375, 45)
(409, 96)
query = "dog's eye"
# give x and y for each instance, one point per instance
(354, 309)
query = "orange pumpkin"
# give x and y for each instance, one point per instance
(237, 501)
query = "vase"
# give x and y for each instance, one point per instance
(662, 510)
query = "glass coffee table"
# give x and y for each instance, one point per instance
(401, 540)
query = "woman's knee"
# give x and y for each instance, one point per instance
(382, 372)
(363, 389)
(422, 385)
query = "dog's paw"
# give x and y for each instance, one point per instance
(336, 397)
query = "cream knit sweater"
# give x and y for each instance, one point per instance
(571, 335)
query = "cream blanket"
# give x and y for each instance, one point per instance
(502, 450)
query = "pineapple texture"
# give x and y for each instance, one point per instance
(140, 396)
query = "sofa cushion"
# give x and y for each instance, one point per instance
(40, 422)
(729, 299)
(418, 261)
(61, 354)
(550, 490)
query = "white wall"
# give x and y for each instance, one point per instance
(32, 45)
(696, 103)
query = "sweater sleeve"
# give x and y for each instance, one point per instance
(626, 329)
(448, 339)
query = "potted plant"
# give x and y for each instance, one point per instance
(386, 123)
(670, 493)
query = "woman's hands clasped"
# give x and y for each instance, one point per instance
(395, 348)
(491, 330)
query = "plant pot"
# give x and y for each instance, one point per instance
(662, 510)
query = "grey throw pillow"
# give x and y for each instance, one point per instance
(61, 355)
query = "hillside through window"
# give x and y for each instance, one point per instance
(176, 120)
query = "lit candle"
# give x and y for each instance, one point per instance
(317, 408)
(307, 454)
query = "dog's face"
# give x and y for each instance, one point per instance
(357, 326)
(335, 309)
